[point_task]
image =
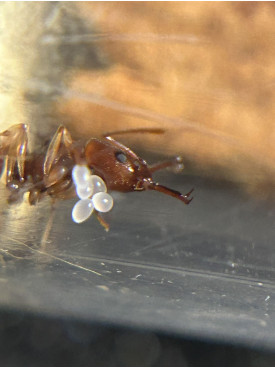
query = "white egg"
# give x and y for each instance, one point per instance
(102, 202)
(80, 175)
(98, 184)
(82, 210)
(85, 192)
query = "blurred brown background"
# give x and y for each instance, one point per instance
(205, 71)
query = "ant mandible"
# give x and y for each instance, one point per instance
(70, 167)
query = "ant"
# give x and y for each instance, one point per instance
(62, 169)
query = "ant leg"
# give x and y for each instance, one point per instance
(102, 221)
(34, 196)
(176, 163)
(59, 147)
(60, 141)
(48, 227)
(14, 144)
(62, 189)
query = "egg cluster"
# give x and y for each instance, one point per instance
(92, 191)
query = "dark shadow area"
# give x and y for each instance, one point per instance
(33, 340)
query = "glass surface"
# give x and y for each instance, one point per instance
(204, 270)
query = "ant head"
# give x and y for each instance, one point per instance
(120, 168)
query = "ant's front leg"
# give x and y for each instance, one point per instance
(102, 221)
(13, 145)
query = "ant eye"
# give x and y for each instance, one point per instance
(121, 157)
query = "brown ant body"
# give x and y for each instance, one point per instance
(51, 173)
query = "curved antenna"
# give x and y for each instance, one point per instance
(135, 130)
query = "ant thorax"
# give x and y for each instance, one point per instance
(92, 192)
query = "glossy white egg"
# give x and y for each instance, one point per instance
(85, 192)
(80, 175)
(98, 184)
(82, 210)
(103, 202)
